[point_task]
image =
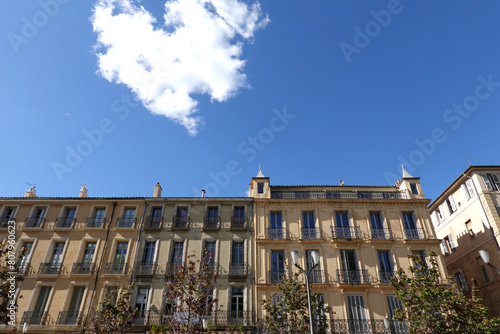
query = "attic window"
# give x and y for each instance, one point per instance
(414, 189)
(260, 188)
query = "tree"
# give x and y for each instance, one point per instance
(288, 311)
(432, 307)
(115, 314)
(189, 296)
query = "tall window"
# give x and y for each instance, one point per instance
(129, 217)
(120, 257)
(38, 314)
(260, 188)
(468, 189)
(491, 181)
(386, 266)
(209, 259)
(98, 219)
(410, 226)
(141, 301)
(450, 203)
(236, 306)
(156, 214)
(357, 314)
(88, 257)
(349, 272)
(7, 215)
(37, 217)
(238, 252)
(277, 265)
(315, 276)
(69, 216)
(181, 217)
(394, 304)
(308, 225)
(56, 258)
(25, 256)
(213, 214)
(414, 189)
(74, 306)
(177, 252)
(149, 252)
(342, 224)
(275, 225)
(378, 231)
(461, 281)
(238, 217)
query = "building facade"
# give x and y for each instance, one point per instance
(363, 235)
(466, 217)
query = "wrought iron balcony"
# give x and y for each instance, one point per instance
(94, 222)
(276, 233)
(34, 317)
(69, 318)
(173, 268)
(317, 276)
(353, 276)
(63, 222)
(116, 268)
(49, 268)
(365, 326)
(22, 266)
(146, 318)
(83, 268)
(333, 194)
(414, 234)
(145, 269)
(180, 223)
(4, 222)
(34, 222)
(239, 223)
(276, 276)
(386, 276)
(126, 222)
(381, 233)
(153, 223)
(310, 233)
(227, 318)
(238, 269)
(212, 267)
(345, 232)
(211, 223)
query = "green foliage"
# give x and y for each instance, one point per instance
(431, 307)
(161, 328)
(291, 313)
(195, 289)
(115, 314)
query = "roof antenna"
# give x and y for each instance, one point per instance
(32, 187)
(468, 159)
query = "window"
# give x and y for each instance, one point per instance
(54, 264)
(377, 226)
(37, 217)
(111, 292)
(72, 316)
(357, 314)
(25, 256)
(236, 316)
(450, 203)
(67, 219)
(7, 215)
(128, 218)
(86, 266)
(440, 214)
(308, 225)
(386, 266)
(141, 301)
(419, 256)
(275, 225)
(349, 272)
(434, 218)
(177, 252)
(149, 253)
(461, 281)
(156, 214)
(209, 259)
(260, 188)
(414, 189)
(468, 189)
(277, 266)
(238, 216)
(315, 275)
(98, 219)
(238, 252)
(484, 273)
(181, 217)
(213, 215)
(118, 266)
(394, 304)
(448, 245)
(410, 226)
(37, 316)
(491, 181)
(342, 225)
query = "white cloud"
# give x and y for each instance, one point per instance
(196, 51)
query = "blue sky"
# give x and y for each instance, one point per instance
(314, 92)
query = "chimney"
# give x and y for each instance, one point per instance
(157, 192)
(203, 193)
(83, 191)
(32, 192)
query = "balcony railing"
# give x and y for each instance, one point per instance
(211, 223)
(33, 317)
(63, 222)
(180, 223)
(345, 232)
(126, 222)
(310, 233)
(353, 276)
(212, 267)
(381, 233)
(69, 318)
(386, 276)
(238, 269)
(94, 222)
(239, 223)
(317, 276)
(34, 222)
(22, 266)
(276, 233)
(173, 268)
(116, 268)
(4, 222)
(153, 223)
(146, 318)
(49, 268)
(414, 233)
(222, 318)
(145, 268)
(352, 194)
(362, 326)
(276, 276)
(83, 268)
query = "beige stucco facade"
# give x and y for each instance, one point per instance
(466, 219)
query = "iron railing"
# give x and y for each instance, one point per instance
(212, 267)
(180, 222)
(386, 276)
(238, 269)
(126, 222)
(239, 223)
(414, 233)
(317, 276)
(310, 233)
(146, 318)
(345, 232)
(22, 266)
(34, 317)
(145, 268)
(69, 318)
(276, 276)
(34, 222)
(49, 268)
(95, 222)
(4, 222)
(63, 222)
(173, 268)
(353, 276)
(276, 233)
(365, 326)
(211, 223)
(333, 194)
(381, 233)
(116, 268)
(83, 268)
(153, 223)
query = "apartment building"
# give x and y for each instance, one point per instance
(76, 249)
(466, 217)
(363, 235)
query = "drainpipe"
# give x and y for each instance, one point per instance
(99, 267)
(138, 241)
(252, 269)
